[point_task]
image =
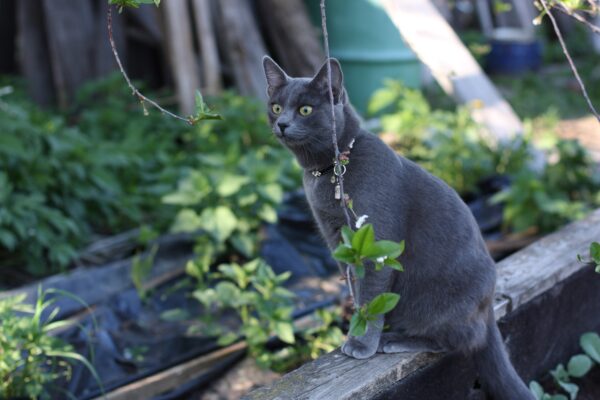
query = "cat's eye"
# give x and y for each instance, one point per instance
(276, 108)
(305, 110)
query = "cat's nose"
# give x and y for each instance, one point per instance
(282, 126)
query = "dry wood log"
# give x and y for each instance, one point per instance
(181, 53)
(244, 46)
(34, 55)
(208, 47)
(70, 32)
(292, 36)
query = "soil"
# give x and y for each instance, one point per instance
(586, 129)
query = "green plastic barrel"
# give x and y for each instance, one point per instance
(368, 45)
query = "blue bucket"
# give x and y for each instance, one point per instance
(512, 53)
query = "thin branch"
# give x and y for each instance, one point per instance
(571, 63)
(143, 99)
(578, 17)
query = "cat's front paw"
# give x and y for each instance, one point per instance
(359, 348)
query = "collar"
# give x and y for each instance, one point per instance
(344, 156)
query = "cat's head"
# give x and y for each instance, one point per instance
(299, 108)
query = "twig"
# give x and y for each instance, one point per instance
(571, 63)
(578, 17)
(143, 99)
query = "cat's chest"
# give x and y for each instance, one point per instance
(320, 193)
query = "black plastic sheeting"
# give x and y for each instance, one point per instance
(131, 341)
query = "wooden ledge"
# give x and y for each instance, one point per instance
(521, 277)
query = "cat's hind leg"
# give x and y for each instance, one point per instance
(392, 342)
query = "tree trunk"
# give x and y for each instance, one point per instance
(292, 36)
(208, 46)
(70, 31)
(181, 51)
(245, 47)
(34, 56)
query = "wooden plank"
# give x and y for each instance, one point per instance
(70, 31)
(182, 57)
(244, 46)
(538, 267)
(171, 378)
(521, 277)
(33, 52)
(437, 46)
(208, 47)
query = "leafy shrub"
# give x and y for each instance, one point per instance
(449, 145)
(32, 360)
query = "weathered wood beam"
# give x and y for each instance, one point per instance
(436, 44)
(526, 275)
(181, 53)
(208, 47)
(244, 46)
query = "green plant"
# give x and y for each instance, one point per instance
(594, 256)
(31, 359)
(360, 249)
(577, 367)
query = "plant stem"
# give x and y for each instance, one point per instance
(568, 56)
(135, 91)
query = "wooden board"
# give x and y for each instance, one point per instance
(528, 273)
(211, 72)
(181, 53)
(436, 44)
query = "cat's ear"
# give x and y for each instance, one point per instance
(337, 79)
(276, 77)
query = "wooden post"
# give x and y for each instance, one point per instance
(181, 52)
(34, 55)
(437, 46)
(70, 31)
(245, 47)
(208, 46)
(292, 36)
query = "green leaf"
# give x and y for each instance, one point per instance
(268, 213)
(394, 264)
(590, 343)
(358, 325)
(285, 331)
(363, 239)
(231, 184)
(536, 389)
(570, 388)
(220, 222)
(595, 252)
(579, 365)
(384, 248)
(383, 303)
(556, 397)
(227, 339)
(344, 253)
(347, 235)
(175, 314)
(360, 270)
(202, 110)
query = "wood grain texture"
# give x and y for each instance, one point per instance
(181, 53)
(211, 72)
(436, 44)
(244, 47)
(521, 277)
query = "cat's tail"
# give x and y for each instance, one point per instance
(498, 376)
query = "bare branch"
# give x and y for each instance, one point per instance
(143, 99)
(571, 63)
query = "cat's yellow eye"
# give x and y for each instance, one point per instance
(305, 110)
(276, 108)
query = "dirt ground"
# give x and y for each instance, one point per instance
(586, 129)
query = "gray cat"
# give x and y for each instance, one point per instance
(447, 288)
